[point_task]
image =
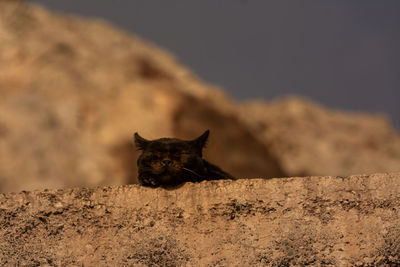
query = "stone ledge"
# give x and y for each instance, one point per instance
(312, 220)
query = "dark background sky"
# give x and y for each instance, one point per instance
(344, 53)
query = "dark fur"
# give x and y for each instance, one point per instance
(171, 162)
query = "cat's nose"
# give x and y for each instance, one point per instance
(166, 162)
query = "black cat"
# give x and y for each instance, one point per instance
(171, 162)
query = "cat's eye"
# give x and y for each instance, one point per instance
(155, 157)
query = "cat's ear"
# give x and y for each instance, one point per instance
(140, 142)
(201, 141)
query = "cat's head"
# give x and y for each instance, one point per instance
(170, 161)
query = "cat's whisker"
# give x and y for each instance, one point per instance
(162, 160)
(193, 172)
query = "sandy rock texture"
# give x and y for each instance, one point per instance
(73, 91)
(319, 221)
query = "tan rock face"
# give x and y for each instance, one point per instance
(73, 91)
(311, 140)
(336, 221)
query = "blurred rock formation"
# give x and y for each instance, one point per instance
(73, 91)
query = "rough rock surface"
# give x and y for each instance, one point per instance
(319, 221)
(73, 91)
